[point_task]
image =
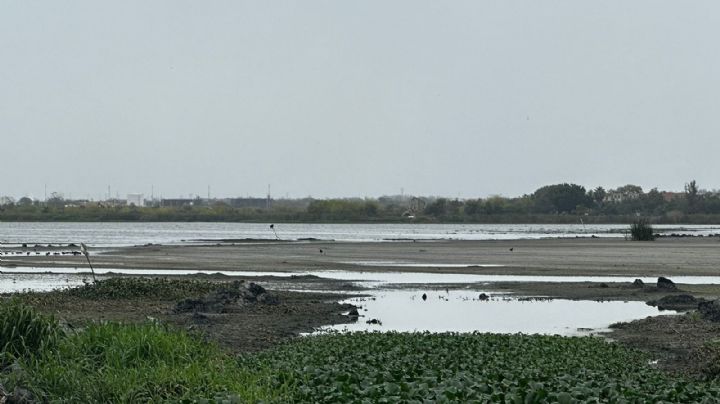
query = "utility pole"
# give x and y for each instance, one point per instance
(267, 204)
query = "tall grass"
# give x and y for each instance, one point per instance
(24, 332)
(143, 363)
(642, 230)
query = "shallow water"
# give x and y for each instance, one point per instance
(12, 283)
(462, 311)
(366, 279)
(124, 234)
(404, 310)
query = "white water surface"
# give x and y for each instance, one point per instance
(135, 233)
(462, 311)
(54, 276)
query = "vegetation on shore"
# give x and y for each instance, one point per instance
(559, 203)
(150, 362)
(642, 230)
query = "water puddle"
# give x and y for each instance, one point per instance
(13, 283)
(465, 311)
(404, 309)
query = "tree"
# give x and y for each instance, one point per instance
(437, 208)
(653, 202)
(56, 200)
(560, 198)
(598, 195)
(25, 201)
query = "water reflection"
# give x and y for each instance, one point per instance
(370, 278)
(464, 311)
(13, 283)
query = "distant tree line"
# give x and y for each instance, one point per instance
(558, 203)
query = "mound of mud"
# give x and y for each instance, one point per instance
(666, 284)
(676, 302)
(710, 310)
(223, 299)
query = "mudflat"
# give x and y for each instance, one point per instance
(677, 341)
(697, 256)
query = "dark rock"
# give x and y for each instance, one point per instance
(219, 301)
(665, 284)
(710, 310)
(353, 313)
(483, 297)
(424, 296)
(374, 321)
(676, 302)
(255, 289)
(603, 285)
(638, 283)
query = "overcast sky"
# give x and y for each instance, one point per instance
(356, 98)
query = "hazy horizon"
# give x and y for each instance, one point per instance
(340, 99)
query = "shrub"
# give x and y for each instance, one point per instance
(641, 230)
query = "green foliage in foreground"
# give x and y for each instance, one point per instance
(139, 363)
(23, 331)
(471, 368)
(152, 363)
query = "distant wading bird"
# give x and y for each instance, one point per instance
(272, 227)
(86, 253)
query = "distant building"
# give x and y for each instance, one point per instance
(136, 199)
(178, 202)
(671, 196)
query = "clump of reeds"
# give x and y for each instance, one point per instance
(642, 230)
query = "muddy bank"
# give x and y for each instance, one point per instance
(236, 322)
(664, 257)
(624, 291)
(684, 344)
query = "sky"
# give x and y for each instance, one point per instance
(356, 98)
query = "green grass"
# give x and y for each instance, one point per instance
(23, 331)
(141, 363)
(150, 362)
